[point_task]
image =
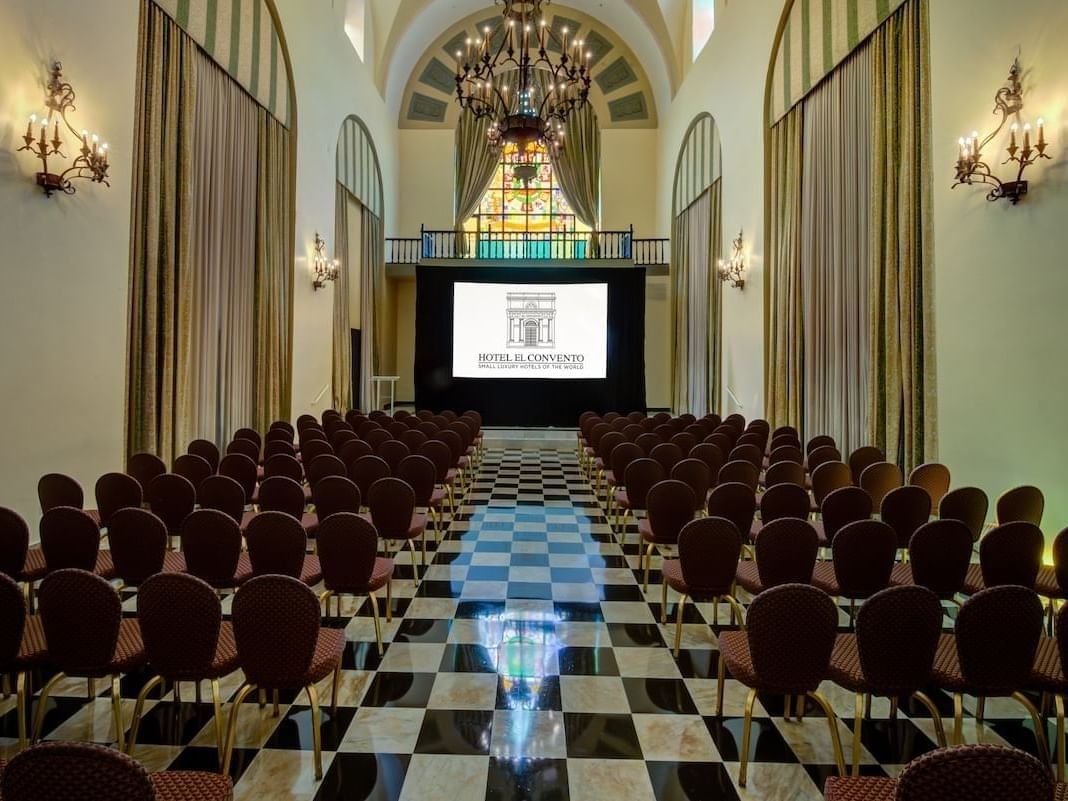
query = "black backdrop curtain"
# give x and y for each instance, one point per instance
(530, 401)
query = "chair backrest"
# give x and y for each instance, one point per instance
(897, 634)
(1060, 560)
(280, 494)
(12, 622)
(14, 542)
(278, 447)
(784, 500)
(57, 489)
(786, 552)
(740, 471)
(685, 442)
(863, 554)
(246, 447)
(747, 453)
(822, 455)
(671, 505)
(69, 539)
(277, 543)
(419, 473)
(335, 494)
(192, 467)
(721, 440)
(641, 475)
(735, 502)
(997, 634)
(752, 438)
(282, 464)
(354, 449)
(647, 442)
(68, 770)
(322, 466)
(665, 431)
(144, 467)
(250, 434)
(393, 452)
(711, 455)
(347, 546)
(80, 613)
(905, 509)
(975, 773)
(242, 470)
(276, 627)
(622, 455)
(791, 631)
(397, 428)
(1024, 503)
(116, 491)
(632, 431)
(138, 543)
(819, 441)
(878, 479)
(180, 616)
(211, 544)
(785, 441)
(709, 550)
(171, 498)
(366, 470)
(437, 452)
(861, 458)
(939, 554)
(843, 506)
(452, 439)
(696, 475)
(392, 503)
(1011, 554)
(784, 473)
(310, 450)
(209, 451)
(968, 505)
(827, 478)
(412, 438)
(933, 477)
(668, 454)
(786, 453)
(224, 494)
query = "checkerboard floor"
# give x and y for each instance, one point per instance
(527, 664)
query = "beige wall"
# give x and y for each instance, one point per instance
(1001, 277)
(64, 260)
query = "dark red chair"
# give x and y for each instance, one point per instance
(171, 498)
(671, 506)
(1024, 504)
(278, 544)
(640, 477)
(116, 491)
(242, 470)
(419, 473)
(735, 502)
(696, 475)
(1009, 554)
(782, 500)
(144, 467)
(138, 543)
(939, 555)
(17, 559)
(840, 508)
(22, 646)
(211, 545)
(391, 502)
(223, 494)
(785, 553)
(862, 560)
(57, 489)
(905, 509)
(192, 467)
(208, 451)
(968, 505)
(71, 539)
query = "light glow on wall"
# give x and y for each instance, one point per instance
(704, 22)
(355, 18)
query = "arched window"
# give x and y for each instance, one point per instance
(525, 204)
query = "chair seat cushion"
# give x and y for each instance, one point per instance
(860, 788)
(327, 656)
(734, 650)
(173, 562)
(1048, 672)
(610, 477)
(105, 567)
(311, 573)
(34, 567)
(310, 521)
(381, 573)
(821, 533)
(845, 668)
(246, 518)
(33, 650)
(437, 498)
(1046, 584)
(901, 575)
(824, 578)
(94, 514)
(450, 476)
(244, 569)
(188, 785)
(748, 578)
(973, 581)
(671, 569)
(645, 530)
(130, 649)
(622, 500)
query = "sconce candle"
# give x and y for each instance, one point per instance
(326, 269)
(732, 270)
(89, 163)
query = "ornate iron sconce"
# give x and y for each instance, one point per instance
(92, 160)
(732, 270)
(972, 169)
(325, 269)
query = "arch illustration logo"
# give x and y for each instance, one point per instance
(531, 319)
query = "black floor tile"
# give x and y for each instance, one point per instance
(659, 696)
(527, 780)
(691, 781)
(456, 732)
(407, 690)
(364, 777)
(581, 661)
(294, 732)
(601, 736)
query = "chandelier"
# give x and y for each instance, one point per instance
(526, 91)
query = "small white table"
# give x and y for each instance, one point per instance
(376, 390)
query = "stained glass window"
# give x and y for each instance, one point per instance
(524, 214)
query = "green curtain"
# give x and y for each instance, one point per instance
(577, 168)
(902, 380)
(476, 163)
(272, 380)
(372, 290)
(159, 224)
(342, 350)
(783, 339)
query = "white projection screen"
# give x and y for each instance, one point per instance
(530, 330)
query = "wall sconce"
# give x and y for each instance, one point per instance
(732, 270)
(970, 165)
(92, 160)
(325, 269)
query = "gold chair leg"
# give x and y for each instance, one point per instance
(389, 601)
(378, 623)
(980, 710)
(893, 707)
(1058, 704)
(274, 700)
(958, 719)
(715, 611)
(139, 709)
(787, 706)
(858, 722)
(832, 723)
(736, 610)
(325, 596)
(335, 688)
(648, 563)
(317, 722)
(220, 729)
(1040, 727)
(936, 717)
(721, 675)
(679, 608)
(800, 714)
(38, 720)
(20, 707)
(116, 708)
(747, 725)
(231, 729)
(6, 686)
(663, 601)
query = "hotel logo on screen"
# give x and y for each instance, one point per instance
(531, 340)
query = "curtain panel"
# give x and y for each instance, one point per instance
(783, 356)
(902, 379)
(476, 164)
(372, 280)
(837, 147)
(160, 220)
(342, 350)
(577, 168)
(696, 293)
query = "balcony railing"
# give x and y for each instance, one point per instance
(503, 246)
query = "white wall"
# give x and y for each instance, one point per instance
(1001, 277)
(64, 260)
(727, 80)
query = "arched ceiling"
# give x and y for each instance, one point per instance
(417, 29)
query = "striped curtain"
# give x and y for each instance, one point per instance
(342, 349)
